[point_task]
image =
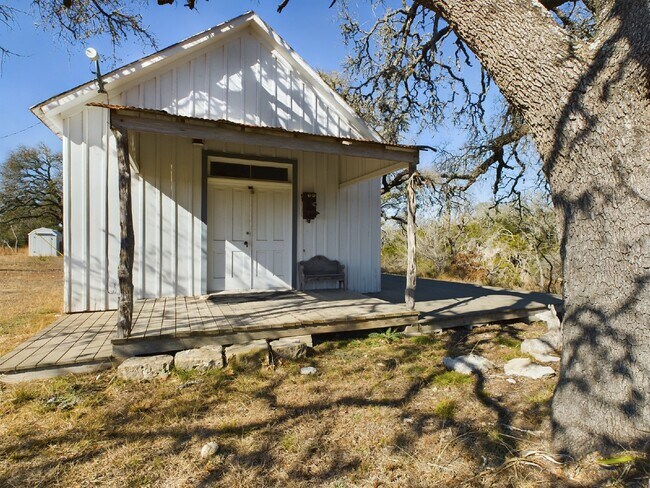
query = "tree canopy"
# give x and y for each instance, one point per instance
(31, 185)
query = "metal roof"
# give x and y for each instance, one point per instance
(265, 129)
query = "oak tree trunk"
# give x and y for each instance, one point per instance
(589, 109)
(599, 171)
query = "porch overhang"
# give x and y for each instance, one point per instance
(160, 122)
(370, 159)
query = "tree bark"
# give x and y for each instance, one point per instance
(125, 266)
(588, 109)
(411, 266)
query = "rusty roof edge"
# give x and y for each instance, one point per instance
(128, 108)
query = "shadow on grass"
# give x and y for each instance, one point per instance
(180, 421)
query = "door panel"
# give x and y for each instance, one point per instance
(229, 262)
(249, 238)
(272, 239)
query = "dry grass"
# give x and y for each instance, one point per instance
(31, 295)
(355, 423)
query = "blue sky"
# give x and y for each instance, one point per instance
(46, 66)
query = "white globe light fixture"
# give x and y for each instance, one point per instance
(92, 54)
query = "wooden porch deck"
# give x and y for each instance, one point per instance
(182, 323)
(171, 324)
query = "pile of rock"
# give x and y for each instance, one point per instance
(472, 363)
(542, 349)
(545, 348)
(212, 356)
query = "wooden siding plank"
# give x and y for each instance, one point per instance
(77, 224)
(96, 202)
(113, 219)
(199, 86)
(184, 237)
(235, 95)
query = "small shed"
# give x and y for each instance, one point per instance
(44, 242)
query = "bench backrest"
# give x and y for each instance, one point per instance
(320, 265)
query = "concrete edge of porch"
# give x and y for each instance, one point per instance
(47, 372)
(434, 323)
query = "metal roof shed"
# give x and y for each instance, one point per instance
(44, 242)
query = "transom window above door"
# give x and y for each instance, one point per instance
(249, 171)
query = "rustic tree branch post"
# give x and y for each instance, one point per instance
(411, 267)
(125, 266)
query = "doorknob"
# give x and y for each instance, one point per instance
(246, 243)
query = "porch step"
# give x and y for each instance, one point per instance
(18, 376)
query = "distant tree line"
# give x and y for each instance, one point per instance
(513, 245)
(31, 193)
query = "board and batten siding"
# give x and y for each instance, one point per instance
(348, 227)
(241, 79)
(170, 237)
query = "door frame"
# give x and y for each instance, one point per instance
(209, 156)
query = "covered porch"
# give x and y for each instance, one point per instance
(215, 239)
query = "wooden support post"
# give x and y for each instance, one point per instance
(411, 267)
(125, 266)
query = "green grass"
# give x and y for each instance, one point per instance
(540, 397)
(289, 443)
(507, 341)
(389, 336)
(186, 374)
(425, 340)
(445, 409)
(452, 378)
(23, 394)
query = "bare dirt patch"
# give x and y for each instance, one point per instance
(31, 295)
(356, 422)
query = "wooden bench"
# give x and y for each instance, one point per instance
(320, 268)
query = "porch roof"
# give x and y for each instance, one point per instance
(161, 122)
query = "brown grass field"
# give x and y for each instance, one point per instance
(31, 295)
(355, 423)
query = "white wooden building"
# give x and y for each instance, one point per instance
(226, 130)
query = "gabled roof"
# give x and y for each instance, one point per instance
(51, 111)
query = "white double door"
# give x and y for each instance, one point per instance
(249, 236)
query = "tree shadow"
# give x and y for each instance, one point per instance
(318, 459)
